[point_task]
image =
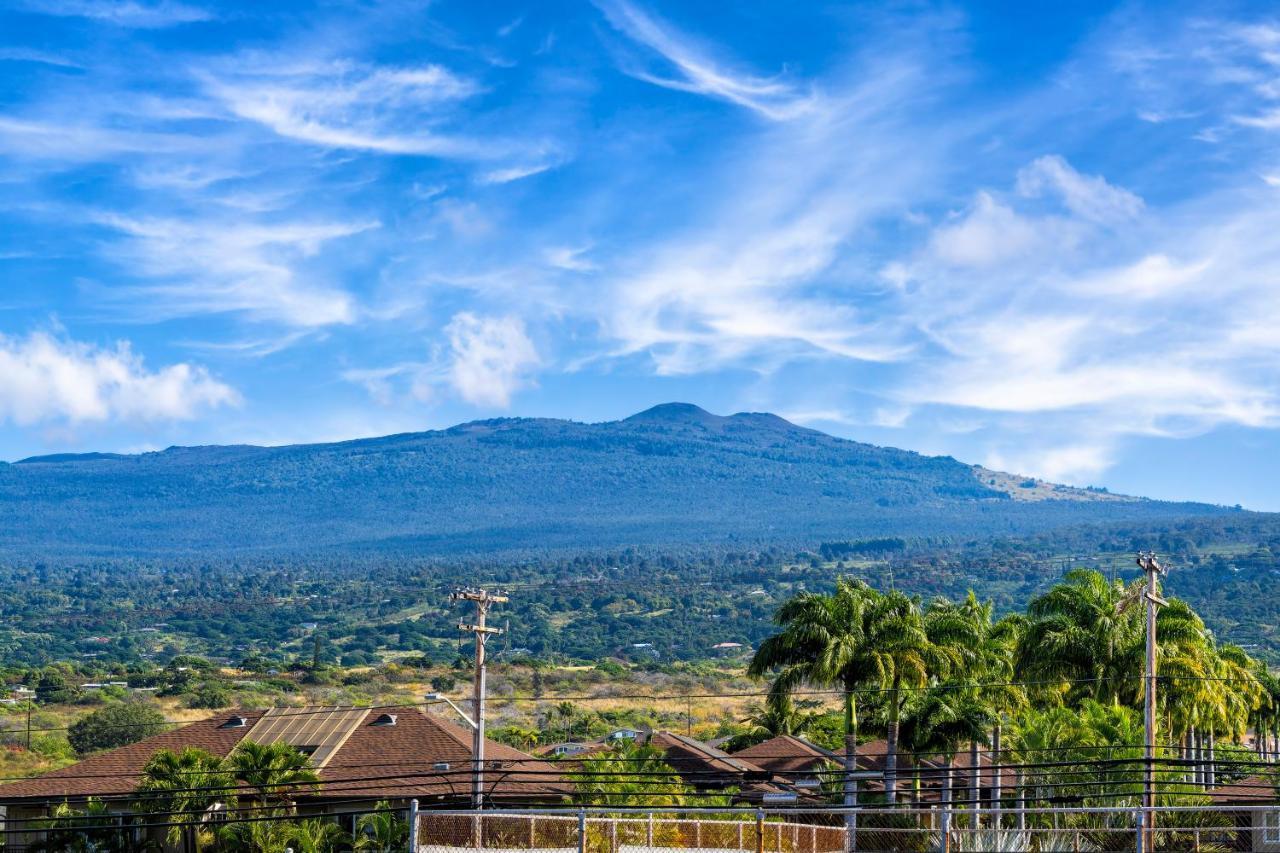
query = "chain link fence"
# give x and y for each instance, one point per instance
(1202, 830)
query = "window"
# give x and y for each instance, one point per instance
(1271, 827)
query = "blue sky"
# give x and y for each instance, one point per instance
(1045, 241)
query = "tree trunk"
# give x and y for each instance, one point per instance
(975, 783)
(1021, 801)
(1197, 771)
(945, 824)
(1212, 779)
(850, 767)
(996, 781)
(891, 746)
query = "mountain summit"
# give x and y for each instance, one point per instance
(673, 475)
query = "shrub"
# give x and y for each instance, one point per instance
(114, 726)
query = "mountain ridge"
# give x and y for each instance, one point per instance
(673, 475)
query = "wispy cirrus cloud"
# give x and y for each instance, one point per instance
(46, 378)
(695, 70)
(343, 104)
(125, 13)
(221, 266)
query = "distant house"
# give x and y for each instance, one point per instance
(562, 749)
(792, 757)
(624, 734)
(1261, 824)
(708, 769)
(362, 755)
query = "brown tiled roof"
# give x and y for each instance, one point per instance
(402, 757)
(115, 773)
(1254, 790)
(406, 754)
(703, 766)
(787, 754)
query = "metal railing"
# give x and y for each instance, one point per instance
(1205, 829)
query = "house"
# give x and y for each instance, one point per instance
(708, 769)
(559, 750)
(361, 755)
(792, 757)
(1262, 824)
(623, 734)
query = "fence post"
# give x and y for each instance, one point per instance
(413, 826)
(1141, 821)
(533, 831)
(582, 831)
(759, 830)
(613, 835)
(648, 832)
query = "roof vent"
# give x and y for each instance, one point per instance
(440, 765)
(234, 723)
(385, 720)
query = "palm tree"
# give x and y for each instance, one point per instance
(381, 830)
(823, 642)
(938, 723)
(779, 716)
(317, 835)
(1077, 636)
(904, 656)
(274, 773)
(987, 647)
(183, 785)
(567, 712)
(267, 832)
(87, 830)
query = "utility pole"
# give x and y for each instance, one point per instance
(1153, 570)
(483, 600)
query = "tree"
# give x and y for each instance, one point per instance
(939, 722)
(273, 773)
(53, 688)
(779, 715)
(630, 775)
(904, 656)
(823, 642)
(114, 726)
(87, 830)
(987, 648)
(318, 835)
(182, 786)
(381, 831)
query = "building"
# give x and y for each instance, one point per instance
(792, 757)
(361, 754)
(1261, 824)
(710, 770)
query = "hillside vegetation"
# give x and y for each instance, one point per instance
(673, 475)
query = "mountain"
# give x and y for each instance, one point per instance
(672, 475)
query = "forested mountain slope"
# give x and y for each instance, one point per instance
(672, 475)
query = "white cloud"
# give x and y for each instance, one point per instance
(125, 13)
(988, 234)
(514, 173)
(342, 104)
(570, 259)
(214, 266)
(490, 358)
(1089, 197)
(1153, 276)
(45, 378)
(698, 73)
(1079, 464)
